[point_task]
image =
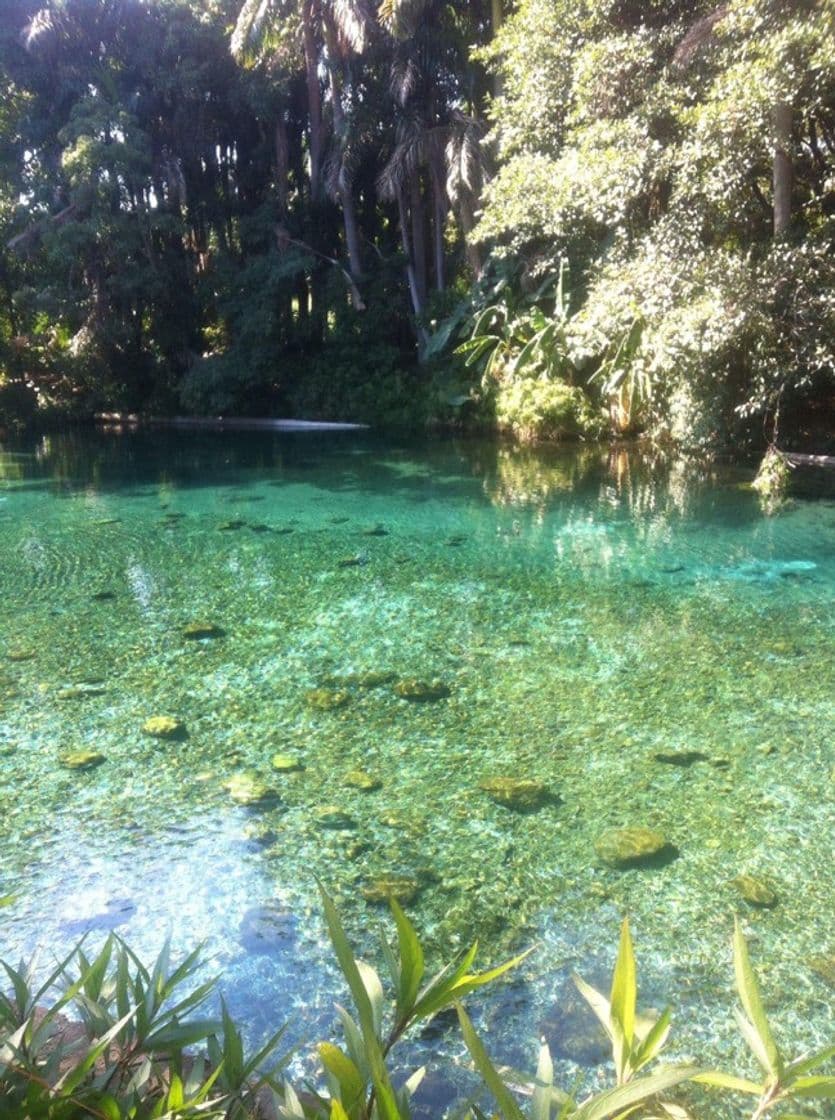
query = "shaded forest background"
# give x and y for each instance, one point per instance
(554, 217)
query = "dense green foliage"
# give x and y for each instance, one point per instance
(112, 1044)
(565, 218)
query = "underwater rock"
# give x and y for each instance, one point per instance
(286, 763)
(754, 890)
(230, 526)
(164, 727)
(377, 531)
(267, 928)
(421, 692)
(103, 596)
(326, 699)
(82, 760)
(629, 847)
(259, 528)
(260, 833)
(402, 888)
(823, 965)
(521, 794)
(331, 816)
(20, 655)
(352, 561)
(248, 788)
(375, 678)
(81, 691)
(194, 631)
(680, 758)
(362, 780)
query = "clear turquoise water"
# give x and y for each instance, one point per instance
(587, 610)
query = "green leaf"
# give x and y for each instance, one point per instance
(653, 1043)
(411, 960)
(597, 1002)
(753, 1040)
(624, 987)
(804, 1065)
(374, 989)
(624, 1097)
(508, 1107)
(351, 1083)
(542, 1094)
(718, 1080)
(750, 996)
(819, 1087)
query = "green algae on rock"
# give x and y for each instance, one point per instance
(419, 691)
(164, 727)
(755, 891)
(629, 847)
(248, 788)
(81, 691)
(20, 655)
(81, 760)
(521, 794)
(402, 888)
(823, 965)
(195, 631)
(286, 763)
(331, 816)
(326, 699)
(362, 780)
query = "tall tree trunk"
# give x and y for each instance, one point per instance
(346, 196)
(439, 212)
(496, 21)
(467, 217)
(782, 168)
(414, 291)
(314, 94)
(282, 162)
(418, 233)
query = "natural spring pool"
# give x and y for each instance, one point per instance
(630, 631)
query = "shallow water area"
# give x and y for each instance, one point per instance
(631, 632)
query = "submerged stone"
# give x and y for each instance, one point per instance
(419, 691)
(81, 691)
(286, 763)
(103, 596)
(194, 631)
(327, 699)
(82, 760)
(351, 562)
(375, 678)
(823, 965)
(376, 531)
(754, 890)
(164, 727)
(402, 888)
(628, 847)
(331, 816)
(521, 794)
(20, 655)
(248, 788)
(229, 526)
(680, 758)
(362, 780)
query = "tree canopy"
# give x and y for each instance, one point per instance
(564, 217)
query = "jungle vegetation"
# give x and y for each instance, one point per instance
(557, 217)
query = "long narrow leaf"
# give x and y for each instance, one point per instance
(749, 994)
(508, 1107)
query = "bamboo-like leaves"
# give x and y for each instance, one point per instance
(756, 1030)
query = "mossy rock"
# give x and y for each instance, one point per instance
(327, 699)
(286, 763)
(630, 847)
(103, 596)
(81, 691)
(196, 631)
(754, 891)
(823, 965)
(362, 780)
(402, 888)
(82, 760)
(248, 788)
(260, 833)
(680, 758)
(421, 692)
(20, 655)
(331, 816)
(231, 525)
(164, 727)
(522, 794)
(376, 531)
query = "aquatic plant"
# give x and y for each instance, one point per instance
(117, 1043)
